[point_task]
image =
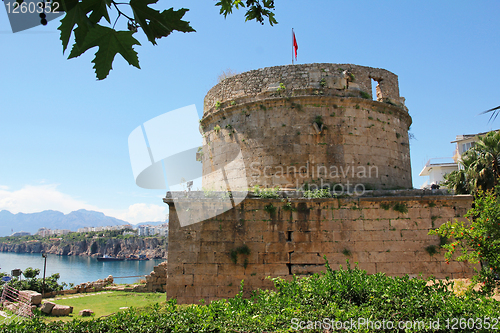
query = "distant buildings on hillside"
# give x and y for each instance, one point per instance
(20, 233)
(45, 232)
(150, 230)
(106, 228)
(128, 229)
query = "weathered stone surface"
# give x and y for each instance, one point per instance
(47, 307)
(61, 310)
(156, 281)
(85, 312)
(361, 144)
(36, 297)
(385, 233)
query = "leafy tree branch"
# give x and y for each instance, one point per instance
(82, 20)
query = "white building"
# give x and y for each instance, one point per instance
(436, 168)
(149, 230)
(44, 232)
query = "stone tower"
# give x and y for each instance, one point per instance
(314, 124)
(297, 127)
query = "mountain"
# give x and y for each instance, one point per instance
(52, 219)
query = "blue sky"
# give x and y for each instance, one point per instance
(63, 134)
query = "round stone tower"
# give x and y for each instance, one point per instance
(307, 126)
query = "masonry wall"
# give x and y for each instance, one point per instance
(206, 261)
(322, 129)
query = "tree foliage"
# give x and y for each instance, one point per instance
(478, 240)
(31, 282)
(83, 20)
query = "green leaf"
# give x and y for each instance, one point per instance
(99, 9)
(171, 21)
(144, 14)
(74, 15)
(226, 6)
(110, 42)
(80, 34)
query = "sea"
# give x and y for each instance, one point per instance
(78, 269)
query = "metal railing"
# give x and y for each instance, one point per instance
(21, 302)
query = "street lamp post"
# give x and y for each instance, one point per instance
(44, 255)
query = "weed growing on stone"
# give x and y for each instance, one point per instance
(365, 95)
(400, 207)
(316, 194)
(266, 193)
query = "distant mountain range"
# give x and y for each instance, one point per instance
(52, 219)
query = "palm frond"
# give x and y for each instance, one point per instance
(494, 115)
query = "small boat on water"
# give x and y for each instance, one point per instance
(109, 258)
(136, 258)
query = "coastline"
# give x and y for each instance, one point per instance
(152, 247)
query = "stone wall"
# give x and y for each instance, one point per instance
(318, 129)
(156, 280)
(384, 233)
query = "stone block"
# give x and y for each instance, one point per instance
(85, 313)
(399, 268)
(61, 310)
(47, 307)
(35, 297)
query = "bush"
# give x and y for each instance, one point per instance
(339, 295)
(478, 240)
(317, 194)
(36, 284)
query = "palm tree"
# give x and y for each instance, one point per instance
(480, 166)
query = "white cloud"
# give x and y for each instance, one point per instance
(32, 199)
(140, 212)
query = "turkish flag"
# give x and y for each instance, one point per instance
(295, 45)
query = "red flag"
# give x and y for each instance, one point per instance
(295, 45)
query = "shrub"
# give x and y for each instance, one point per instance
(266, 193)
(316, 194)
(477, 240)
(340, 295)
(33, 283)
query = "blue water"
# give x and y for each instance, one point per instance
(77, 269)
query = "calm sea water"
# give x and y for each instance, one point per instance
(77, 269)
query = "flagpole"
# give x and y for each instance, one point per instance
(292, 46)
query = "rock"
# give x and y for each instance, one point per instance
(11, 307)
(36, 298)
(47, 307)
(61, 310)
(85, 313)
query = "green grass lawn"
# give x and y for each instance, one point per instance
(104, 303)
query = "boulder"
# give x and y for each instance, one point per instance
(85, 312)
(61, 310)
(47, 307)
(11, 307)
(36, 298)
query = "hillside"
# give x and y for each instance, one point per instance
(51, 219)
(88, 244)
